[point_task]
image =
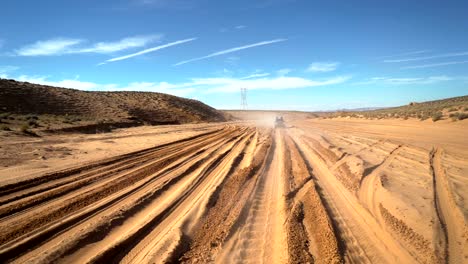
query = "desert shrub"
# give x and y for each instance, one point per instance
(454, 116)
(465, 109)
(453, 109)
(33, 123)
(436, 116)
(32, 117)
(462, 116)
(4, 115)
(24, 128)
(4, 128)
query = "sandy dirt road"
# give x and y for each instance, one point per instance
(318, 191)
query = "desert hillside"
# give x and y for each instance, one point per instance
(455, 108)
(75, 106)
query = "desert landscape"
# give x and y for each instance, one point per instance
(234, 132)
(323, 188)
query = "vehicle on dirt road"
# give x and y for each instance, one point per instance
(279, 122)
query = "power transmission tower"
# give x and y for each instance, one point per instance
(244, 98)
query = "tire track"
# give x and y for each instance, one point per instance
(81, 215)
(311, 232)
(452, 233)
(13, 203)
(262, 236)
(47, 178)
(363, 238)
(113, 184)
(189, 210)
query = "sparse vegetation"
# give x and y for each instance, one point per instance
(437, 116)
(4, 127)
(33, 123)
(24, 128)
(32, 117)
(458, 116)
(60, 108)
(4, 115)
(421, 111)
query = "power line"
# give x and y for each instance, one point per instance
(243, 98)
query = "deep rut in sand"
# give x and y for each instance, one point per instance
(261, 236)
(239, 193)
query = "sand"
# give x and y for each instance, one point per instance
(318, 191)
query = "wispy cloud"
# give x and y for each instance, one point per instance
(57, 46)
(257, 81)
(434, 65)
(123, 44)
(229, 85)
(68, 83)
(227, 29)
(255, 75)
(149, 50)
(60, 46)
(161, 87)
(405, 81)
(405, 54)
(283, 72)
(167, 4)
(446, 55)
(232, 60)
(218, 53)
(323, 66)
(7, 68)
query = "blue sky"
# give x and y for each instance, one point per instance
(289, 54)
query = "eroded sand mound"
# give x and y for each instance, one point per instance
(153, 108)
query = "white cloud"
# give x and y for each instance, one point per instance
(240, 27)
(149, 50)
(75, 84)
(447, 55)
(283, 72)
(8, 68)
(277, 83)
(123, 44)
(231, 50)
(405, 81)
(322, 66)
(55, 46)
(60, 46)
(255, 75)
(162, 87)
(434, 65)
(257, 81)
(405, 54)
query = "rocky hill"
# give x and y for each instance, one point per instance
(22, 98)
